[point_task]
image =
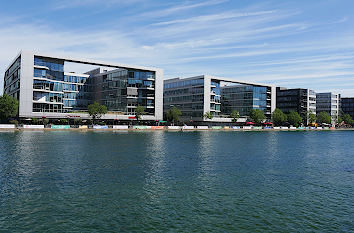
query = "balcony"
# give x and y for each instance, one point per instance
(47, 90)
(150, 78)
(213, 101)
(132, 97)
(41, 67)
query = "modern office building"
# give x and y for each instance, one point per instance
(328, 102)
(299, 100)
(198, 95)
(45, 89)
(347, 105)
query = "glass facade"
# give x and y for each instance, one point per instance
(54, 91)
(225, 96)
(347, 105)
(297, 100)
(215, 97)
(12, 79)
(186, 95)
(121, 90)
(243, 98)
(328, 102)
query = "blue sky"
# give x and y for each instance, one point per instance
(293, 44)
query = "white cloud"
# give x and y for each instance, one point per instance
(255, 43)
(181, 7)
(65, 4)
(214, 17)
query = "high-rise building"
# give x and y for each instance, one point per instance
(198, 95)
(45, 88)
(299, 100)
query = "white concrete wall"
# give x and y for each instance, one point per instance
(26, 84)
(159, 95)
(273, 98)
(207, 86)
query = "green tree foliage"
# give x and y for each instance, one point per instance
(96, 110)
(347, 119)
(208, 115)
(173, 114)
(234, 115)
(63, 121)
(294, 118)
(257, 116)
(8, 107)
(139, 111)
(35, 121)
(324, 117)
(311, 117)
(45, 121)
(77, 121)
(279, 118)
(15, 122)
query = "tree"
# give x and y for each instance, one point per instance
(324, 117)
(279, 118)
(311, 117)
(257, 115)
(77, 121)
(8, 107)
(14, 122)
(139, 111)
(96, 110)
(208, 115)
(347, 119)
(173, 114)
(63, 121)
(294, 118)
(35, 121)
(234, 115)
(45, 121)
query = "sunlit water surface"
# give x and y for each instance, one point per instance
(174, 181)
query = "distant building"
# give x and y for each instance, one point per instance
(197, 95)
(298, 100)
(328, 102)
(347, 105)
(45, 89)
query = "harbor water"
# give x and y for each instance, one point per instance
(59, 181)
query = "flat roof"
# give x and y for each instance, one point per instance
(89, 62)
(98, 63)
(220, 79)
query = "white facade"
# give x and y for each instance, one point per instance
(311, 100)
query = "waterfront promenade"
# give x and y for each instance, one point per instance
(161, 128)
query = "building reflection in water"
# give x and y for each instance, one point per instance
(155, 166)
